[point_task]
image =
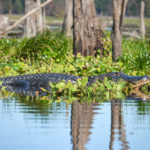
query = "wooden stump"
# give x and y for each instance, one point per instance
(68, 19)
(119, 7)
(33, 23)
(142, 24)
(86, 31)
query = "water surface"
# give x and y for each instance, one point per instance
(26, 123)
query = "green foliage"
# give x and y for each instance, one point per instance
(49, 52)
(70, 89)
(8, 49)
(106, 90)
(136, 56)
(101, 5)
(45, 46)
(18, 7)
(40, 48)
(133, 7)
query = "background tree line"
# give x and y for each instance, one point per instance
(57, 7)
(133, 7)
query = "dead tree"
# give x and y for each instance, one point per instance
(25, 17)
(142, 24)
(33, 23)
(10, 6)
(44, 16)
(86, 31)
(4, 22)
(68, 19)
(119, 7)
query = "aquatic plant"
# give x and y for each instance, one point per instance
(106, 89)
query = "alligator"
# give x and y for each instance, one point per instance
(28, 84)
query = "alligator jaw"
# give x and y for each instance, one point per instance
(138, 84)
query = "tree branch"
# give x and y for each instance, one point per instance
(24, 17)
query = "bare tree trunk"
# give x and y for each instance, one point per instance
(39, 18)
(44, 17)
(68, 19)
(142, 24)
(10, 7)
(33, 23)
(86, 31)
(4, 22)
(1, 6)
(119, 7)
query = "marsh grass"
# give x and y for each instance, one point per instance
(136, 55)
(45, 46)
(52, 52)
(40, 48)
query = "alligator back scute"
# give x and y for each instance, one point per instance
(38, 79)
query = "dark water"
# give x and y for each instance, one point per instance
(27, 124)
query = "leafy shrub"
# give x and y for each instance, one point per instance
(8, 49)
(45, 46)
(106, 89)
(136, 55)
(36, 49)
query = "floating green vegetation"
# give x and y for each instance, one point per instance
(105, 90)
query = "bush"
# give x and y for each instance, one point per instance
(36, 49)
(136, 55)
(45, 46)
